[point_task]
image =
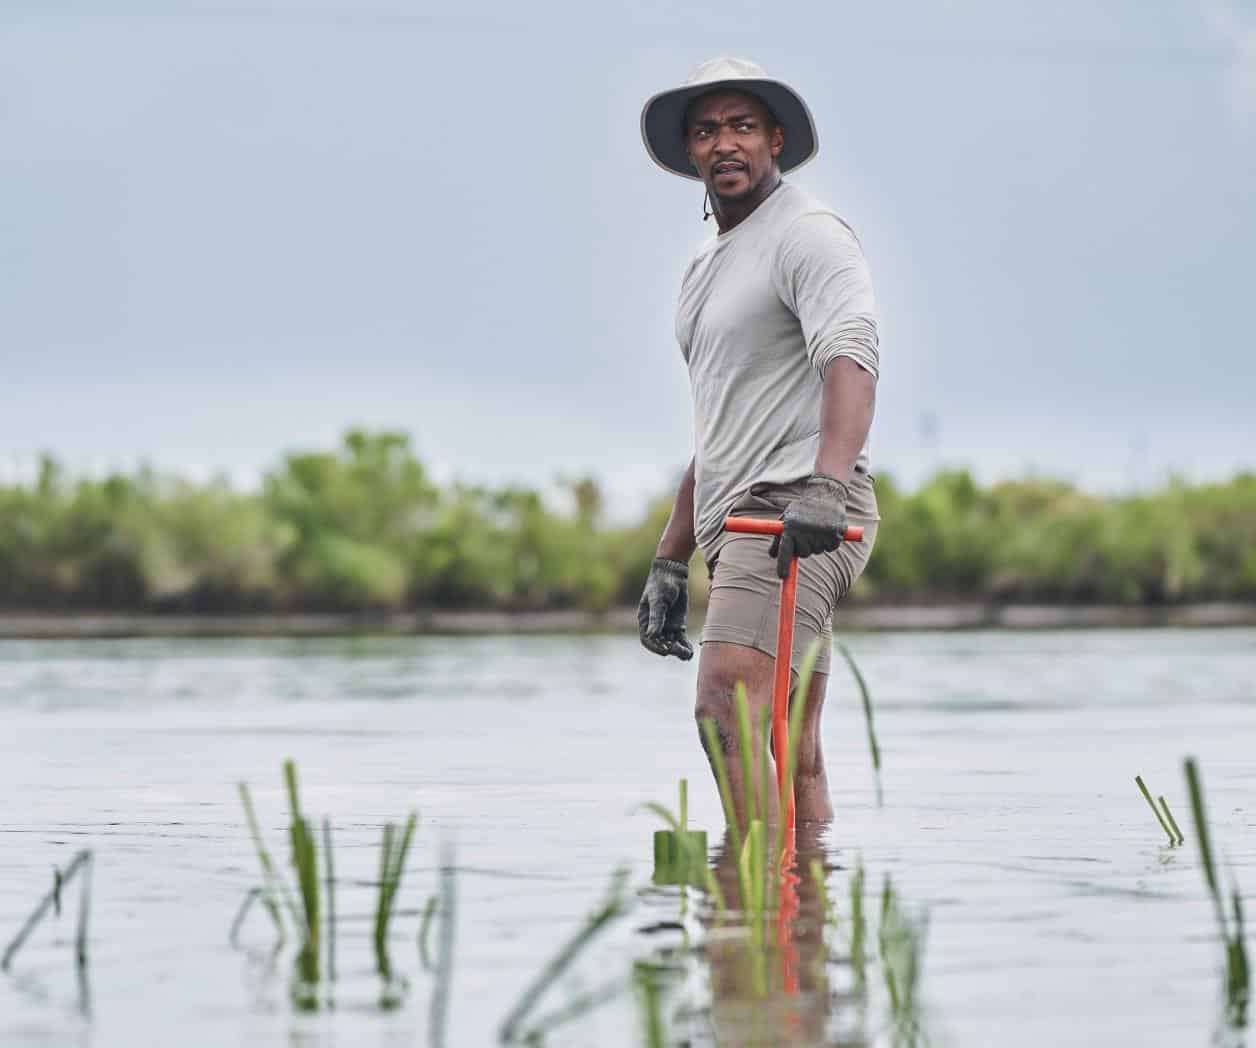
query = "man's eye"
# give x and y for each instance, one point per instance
(745, 127)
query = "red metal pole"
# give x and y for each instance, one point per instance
(780, 689)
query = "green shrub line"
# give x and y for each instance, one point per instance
(363, 527)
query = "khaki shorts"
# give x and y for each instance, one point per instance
(745, 596)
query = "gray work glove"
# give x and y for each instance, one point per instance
(661, 613)
(814, 522)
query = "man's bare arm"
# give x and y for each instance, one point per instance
(846, 408)
(677, 541)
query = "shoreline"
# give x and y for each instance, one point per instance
(869, 618)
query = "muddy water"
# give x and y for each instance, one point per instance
(1056, 915)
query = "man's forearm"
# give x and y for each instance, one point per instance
(846, 408)
(678, 542)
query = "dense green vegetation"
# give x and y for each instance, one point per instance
(364, 527)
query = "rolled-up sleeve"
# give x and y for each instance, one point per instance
(821, 276)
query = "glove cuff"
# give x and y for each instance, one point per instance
(671, 567)
(830, 482)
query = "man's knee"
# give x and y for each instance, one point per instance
(724, 667)
(715, 703)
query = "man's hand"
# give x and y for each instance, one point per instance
(814, 522)
(664, 604)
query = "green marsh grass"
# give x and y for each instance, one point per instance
(392, 857)
(305, 859)
(865, 696)
(274, 887)
(1237, 969)
(425, 926)
(752, 867)
(246, 905)
(1164, 806)
(576, 1008)
(745, 743)
(614, 906)
(901, 938)
(304, 907)
(80, 866)
(646, 982)
(765, 764)
(828, 915)
(447, 907)
(1164, 825)
(858, 927)
(711, 735)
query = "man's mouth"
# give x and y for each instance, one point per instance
(728, 167)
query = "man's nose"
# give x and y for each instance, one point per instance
(725, 140)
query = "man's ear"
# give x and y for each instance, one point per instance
(778, 140)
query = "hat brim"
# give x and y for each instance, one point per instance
(663, 122)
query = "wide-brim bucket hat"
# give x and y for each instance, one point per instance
(663, 118)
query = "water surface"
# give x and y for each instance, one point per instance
(1056, 916)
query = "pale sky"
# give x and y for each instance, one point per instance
(229, 229)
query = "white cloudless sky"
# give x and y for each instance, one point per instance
(232, 229)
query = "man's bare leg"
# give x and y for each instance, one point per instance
(812, 802)
(720, 667)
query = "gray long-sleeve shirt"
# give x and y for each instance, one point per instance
(764, 309)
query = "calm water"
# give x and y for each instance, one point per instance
(1055, 914)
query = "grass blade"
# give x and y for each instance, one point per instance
(714, 890)
(822, 891)
(1196, 788)
(438, 1014)
(745, 743)
(614, 906)
(304, 858)
(49, 902)
(250, 897)
(1164, 806)
(275, 886)
(425, 924)
(1154, 810)
(715, 752)
(382, 965)
(85, 909)
(580, 1005)
(765, 768)
(865, 696)
(1238, 971)
(663, 813)
(859, 926)
(645, 978)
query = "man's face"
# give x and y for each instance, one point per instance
(733, 142)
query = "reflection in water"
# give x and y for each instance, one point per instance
(790, 973)
(775, 981)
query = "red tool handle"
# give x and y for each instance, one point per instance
(760, 526)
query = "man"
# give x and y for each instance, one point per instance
(778, 326)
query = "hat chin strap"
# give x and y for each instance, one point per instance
(706, 200)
